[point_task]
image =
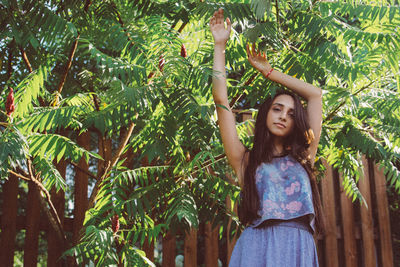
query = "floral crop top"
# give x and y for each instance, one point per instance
(284, 190)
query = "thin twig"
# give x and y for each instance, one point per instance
(247, 83)
(209, 163)
(82, 170)
(67, 68)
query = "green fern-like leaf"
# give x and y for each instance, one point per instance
(54, 146)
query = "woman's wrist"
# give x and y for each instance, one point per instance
(267, 72)
(220, 44)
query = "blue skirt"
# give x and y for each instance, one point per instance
(282, 243)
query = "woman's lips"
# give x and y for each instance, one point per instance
(280, 125)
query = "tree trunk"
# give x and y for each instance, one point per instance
(32, 227)
(9, 221)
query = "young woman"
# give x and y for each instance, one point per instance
(280, 201)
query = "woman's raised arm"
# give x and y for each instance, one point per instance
(312, 94)
(234, 149)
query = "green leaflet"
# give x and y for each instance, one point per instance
(55, 146)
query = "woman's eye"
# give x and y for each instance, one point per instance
(276, 109)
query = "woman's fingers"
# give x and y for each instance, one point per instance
(218, 19)
(220, 16)
(228, 24)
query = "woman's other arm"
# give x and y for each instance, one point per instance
(312, 94)
(234, 149)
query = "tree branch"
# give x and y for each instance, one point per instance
(87, 5)
(19, 175)
(67, 68)
(277, 14)
(182, 27)
(4, 124)
(26, 60)
(10, 58)
(110, 165)
(52, 214)
(81, 169)
(29, 67)
(239, 97)
(208, 163)
(121, 22)
(96, 102)
(329, 117)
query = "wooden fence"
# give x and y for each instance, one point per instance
(355, 236)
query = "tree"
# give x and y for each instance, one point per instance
(138, 74)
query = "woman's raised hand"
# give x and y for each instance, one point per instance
(217, 27)
(258, 60)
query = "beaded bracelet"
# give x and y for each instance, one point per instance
(266, 76)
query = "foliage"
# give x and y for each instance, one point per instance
(127, 68)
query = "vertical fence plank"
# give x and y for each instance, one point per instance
(54, 248)
(350, 245)
(190, 249)
(328, 201)
(383, 217)
(168, 250)
(211, 245)
(367, 227)
(32, 226)
(230, 242)
(9, 221)
(80, 189)
(148, 248)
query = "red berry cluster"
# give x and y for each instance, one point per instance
(183, 51)
(161, 59)
(115, 223)
(10, 102)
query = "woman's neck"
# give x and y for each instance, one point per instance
(278, 147)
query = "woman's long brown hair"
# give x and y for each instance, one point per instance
(296, 145)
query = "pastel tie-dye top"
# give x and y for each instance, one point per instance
(284, 190)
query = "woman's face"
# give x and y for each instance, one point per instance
(280, 117)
